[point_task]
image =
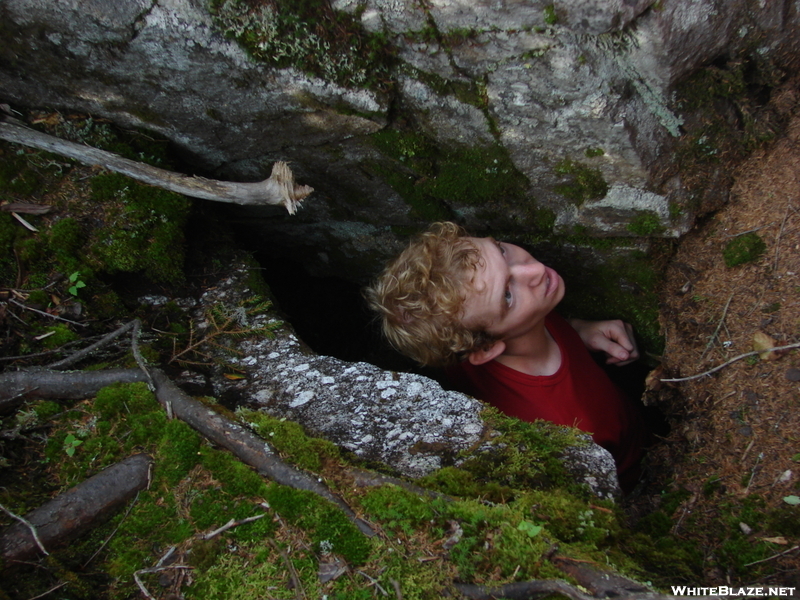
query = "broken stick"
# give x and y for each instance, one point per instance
(279, 189)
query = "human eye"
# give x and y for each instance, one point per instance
(508, 297)
(501, 247)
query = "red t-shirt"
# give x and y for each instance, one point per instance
(579, 394)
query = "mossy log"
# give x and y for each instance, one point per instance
(17, 386)
(77, 510)
(279, 189)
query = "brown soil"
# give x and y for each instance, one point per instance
(736, 433)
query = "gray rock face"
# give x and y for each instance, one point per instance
(566, 90)
(403, 420)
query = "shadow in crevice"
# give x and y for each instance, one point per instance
(331, 316)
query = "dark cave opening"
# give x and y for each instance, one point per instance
(331, 316)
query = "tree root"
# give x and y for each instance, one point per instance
(247, 447)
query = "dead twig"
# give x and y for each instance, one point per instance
(778, 239)
(730, 362)
(779, 554)
(50, 591)
(716, 331)
(299, 593)
(27, 524)
(137, 355)
(230, 525)
(140, 584)
(374, 582)
(279, 189)
(81, 354)
(46, 314)
(113, 533)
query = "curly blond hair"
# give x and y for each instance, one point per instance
(420, 297)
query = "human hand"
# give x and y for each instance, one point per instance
(615, 338)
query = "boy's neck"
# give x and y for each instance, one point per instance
(537, 353)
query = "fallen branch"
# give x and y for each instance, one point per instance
(81, 354)
(78, 509)
(524, 590)
(140, 584)
(17, 386)
(730, 362)
(46, 314)
(601, 583)
(279, 189)
(299, 592)
(774, 556)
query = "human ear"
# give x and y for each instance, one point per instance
(484, 355)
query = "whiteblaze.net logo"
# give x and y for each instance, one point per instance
(726, 591)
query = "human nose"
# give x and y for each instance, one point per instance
(531, 272)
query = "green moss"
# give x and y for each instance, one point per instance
(625, 286)
(458, 482)
(143, 228)
(46, 409)
(16, 176)
(665, 560)
(645, 224)
(593, 152)
(784, 520)
(525, 456)
(743, 249)
(585, 182)
(61, 334)
(397, 509)
(435, 177)
(550, 15)
(237, 478)
(309, 36)
(289, 438)
(66, 237)
(179, 449)
(322, 520)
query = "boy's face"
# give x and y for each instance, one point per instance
(511, 292)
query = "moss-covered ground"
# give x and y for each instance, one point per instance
(425, 542)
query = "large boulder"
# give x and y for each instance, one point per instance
(507, 116)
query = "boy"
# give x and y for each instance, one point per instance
(484, 310)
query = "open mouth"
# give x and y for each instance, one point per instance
(552, 281)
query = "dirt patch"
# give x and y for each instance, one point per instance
(734, 450)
